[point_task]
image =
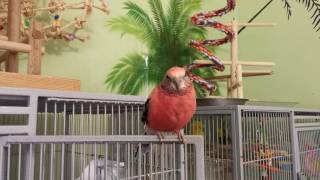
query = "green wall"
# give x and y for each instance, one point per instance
(292, 45)
(89, 61)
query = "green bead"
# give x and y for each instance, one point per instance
(27, 23)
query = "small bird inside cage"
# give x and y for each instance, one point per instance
(89, 173)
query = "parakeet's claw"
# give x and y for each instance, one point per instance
(182, 140)
(180, 137)
(160, 136)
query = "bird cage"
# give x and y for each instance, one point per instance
(257, 142)
(82, 136)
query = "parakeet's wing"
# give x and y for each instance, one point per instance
(144, 117)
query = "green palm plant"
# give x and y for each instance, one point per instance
(166, 33)
(312, 6)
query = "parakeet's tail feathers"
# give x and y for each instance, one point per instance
(144, 117)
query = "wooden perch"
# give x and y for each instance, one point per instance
(5, 38)
(239, 81)
(244, 63)
(253, 24)
(251, 63)
(15, 46)
(247, 73)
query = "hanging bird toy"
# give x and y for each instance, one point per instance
(57, 27)
(205, 20)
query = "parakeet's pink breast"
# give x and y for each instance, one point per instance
(171, 112)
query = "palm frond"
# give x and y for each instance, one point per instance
(176, 7)
(313, 6)
(184, 17)
(190, 6)
(136, 23)
(140, 16)
(127, 77)
(127, 26)
(194, 32)
(287, 6)
(158, 14)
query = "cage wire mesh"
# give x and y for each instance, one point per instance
(58, 116)
(309, 143)
(94, 159)
(216, 130)
(89, 117)
(13, 119)
(266, 144)
(309, 152)
(306, 117)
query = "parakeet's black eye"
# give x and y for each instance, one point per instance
(167, 77)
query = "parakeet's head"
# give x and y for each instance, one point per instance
(176, 80)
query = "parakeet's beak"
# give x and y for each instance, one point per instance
(179, 83)
(176, 84)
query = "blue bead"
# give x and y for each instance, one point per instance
(56, 17)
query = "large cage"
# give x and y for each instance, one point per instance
(64, 135)
(257, 142)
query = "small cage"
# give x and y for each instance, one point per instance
(96, 158)
(82, 136)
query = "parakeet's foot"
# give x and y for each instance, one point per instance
(180, 137)
(160, 136)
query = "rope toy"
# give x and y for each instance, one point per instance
(205, 20)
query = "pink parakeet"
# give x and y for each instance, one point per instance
(171, 104)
